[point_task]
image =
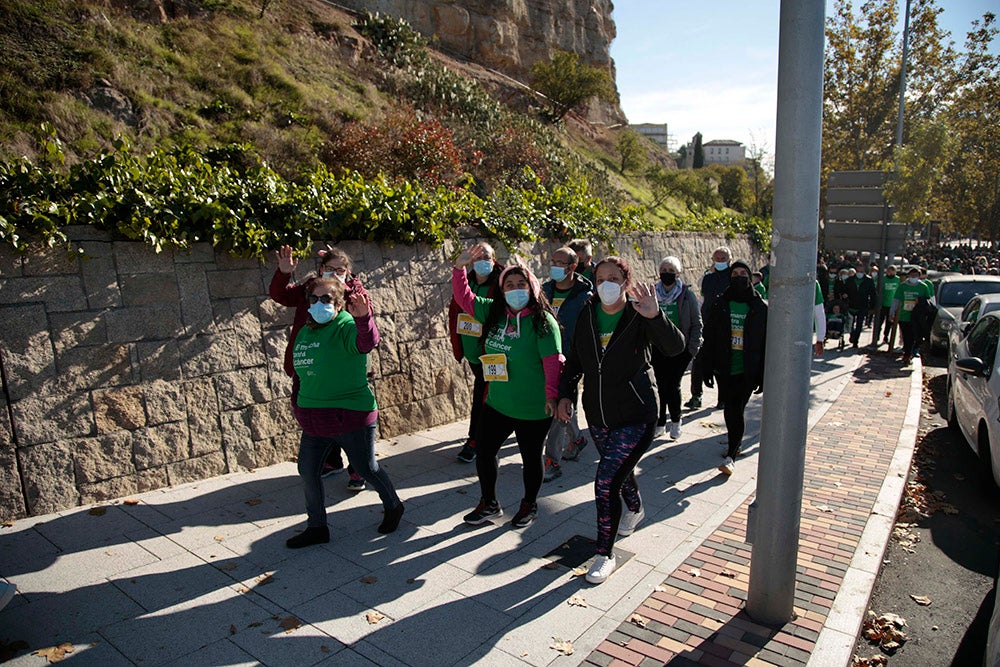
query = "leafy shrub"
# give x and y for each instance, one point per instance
(402, 145)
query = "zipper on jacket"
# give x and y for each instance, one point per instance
(600, 371)
(636, 392)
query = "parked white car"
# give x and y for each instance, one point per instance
(974, 390)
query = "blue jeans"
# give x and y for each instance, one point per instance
(359, 446)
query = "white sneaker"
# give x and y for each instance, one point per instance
(658, 431)
(601, 569)
(7, 591)
(675, 429)
(728, 466)
(630, 520)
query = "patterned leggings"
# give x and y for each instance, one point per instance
(620, 449)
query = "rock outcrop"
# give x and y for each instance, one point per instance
(512, 35)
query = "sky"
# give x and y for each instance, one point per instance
(713, 67)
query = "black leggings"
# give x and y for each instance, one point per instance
(910, 340)
(478, 395)
(735, 393)
(494, 428)
(669, 371)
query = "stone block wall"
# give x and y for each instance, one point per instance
(125, 370)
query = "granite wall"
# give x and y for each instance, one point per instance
(125, 370)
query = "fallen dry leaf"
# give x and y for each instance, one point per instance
(265, 579)
(551, 565)
(131, 501)
(254, 502)
(564, 647)
(579, 571)
(577, 601)
(96, 511)
(660, 588)
(637, 620)
(823, 508)
(55, 653)
(324, 648)
(728, 574)
(370, 579)
(462, 491)
(374, 617)
(228, 567)
(290, 624)
(232, 629)
(218, 538)
(694, 572)
(8, 524)
(921, 600)
(411, 581)
(884, 630)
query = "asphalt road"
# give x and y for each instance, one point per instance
(945, 546)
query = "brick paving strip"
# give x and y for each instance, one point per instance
(857, 457)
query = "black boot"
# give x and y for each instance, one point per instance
(390, 522)
(309, 537)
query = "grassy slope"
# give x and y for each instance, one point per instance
(284, 83)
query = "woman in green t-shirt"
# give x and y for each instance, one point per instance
(522, 357)
(335, 404)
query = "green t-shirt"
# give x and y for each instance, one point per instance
(332, 372)
(737, 318)
(819, 295)
(761, 289)
(889, 289)
(467, 330)
(673, 312)
(907, 296)
(606, 325)
(512, 364)
(558, 297)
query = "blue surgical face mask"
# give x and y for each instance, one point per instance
(912, 281)
(322, 312)
(721, 266)
(482, 267)
(557, 273)
(516, 298)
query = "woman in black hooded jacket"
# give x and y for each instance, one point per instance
(733, 352)
(611, 349)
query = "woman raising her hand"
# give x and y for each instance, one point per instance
(521, 353)
(612, 349)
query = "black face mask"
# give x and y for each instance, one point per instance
(740, 284)
(668, 279)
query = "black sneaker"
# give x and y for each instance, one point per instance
(525, 515)
(483, 513)
(309, 537)
(468, 453)
(694, 403)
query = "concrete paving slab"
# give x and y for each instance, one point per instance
(170, 633)
(417, 638)
(303, 577)
(53, 618)
(212, 526)
(83, 529)
(515, 584)
(71, 571)
(23, 549)
(400, 588)
(367, 654)
(195, 498)
(168, 582)
(89, 651)
(272, 645)
(340, 616)
(222, 652)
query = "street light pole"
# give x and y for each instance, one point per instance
(789, 347)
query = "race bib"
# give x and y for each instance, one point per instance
(737, 339)
(556, 302)
(909, 304)
(467, 325)
(494, 367)
(605, 339)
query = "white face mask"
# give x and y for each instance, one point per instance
(609, 292)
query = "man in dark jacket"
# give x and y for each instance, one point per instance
(861, 295)
(464, 331)
(713, 284)
(733, 352)
(568, 292)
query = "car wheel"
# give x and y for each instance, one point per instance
(950, 408)
(985, 457)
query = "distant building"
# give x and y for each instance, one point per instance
(724, 151)
(655, 132)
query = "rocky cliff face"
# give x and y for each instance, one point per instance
(511, 35)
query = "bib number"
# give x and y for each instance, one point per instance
(467, 325)
(557, 303)
(737, 339)
(494, 367)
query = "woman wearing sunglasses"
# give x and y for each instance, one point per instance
(336, 405)
(284, 289)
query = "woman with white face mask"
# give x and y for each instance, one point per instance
(521, 353)
(336, 405)
(612, 350)
(284, 289)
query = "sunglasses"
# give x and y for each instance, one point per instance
(325, 298)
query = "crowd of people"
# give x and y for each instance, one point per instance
(529, 346)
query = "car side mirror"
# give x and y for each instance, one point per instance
(971, 365)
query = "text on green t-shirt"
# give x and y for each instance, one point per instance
(737, 319)
(332, 373)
